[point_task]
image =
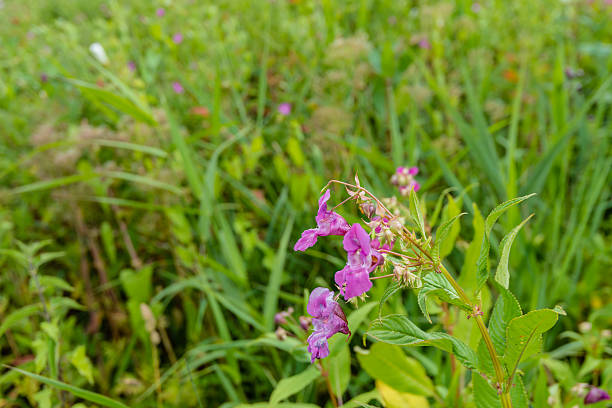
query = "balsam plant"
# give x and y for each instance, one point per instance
(394, 243)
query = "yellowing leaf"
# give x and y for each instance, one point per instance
(395, 399)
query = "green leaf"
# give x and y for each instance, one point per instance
(339, 366)
(502, 275)
(82, 363)
(276, 274)
(441, 235)
(415, 212)
(524, 336)
(18, 316)
(389, 364)
(451, 210)
(506, 308)
(467, 277)
(485, 396)
(105, 97)
(392, 288)
(76, 391)
(354, 319)
(362, 400)
(399, 330)
(291, 385)
(435, 284)
(483, 260)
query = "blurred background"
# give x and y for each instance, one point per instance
(159, 159)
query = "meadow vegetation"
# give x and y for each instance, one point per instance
(153, 186)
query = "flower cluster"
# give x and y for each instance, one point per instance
(363, 257)
(404, 179)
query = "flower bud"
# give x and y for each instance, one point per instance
(585, 327)
(281, 333)
(305, 322)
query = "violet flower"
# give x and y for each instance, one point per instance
(328, 223)
(284, 109)
(177, 87)
(363, 257)
(596, 395)
(131, 66)
(177, 38)
(160, 12)
(328, 319)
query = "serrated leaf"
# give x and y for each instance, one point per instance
(82, 363)
(388, 363)
(395, 399)
(451, 210)
(482, 265)
(415, 212)
(524, 336)
(53, 282)
(18, 316)
(467, 277)
(441, 235)
(485, 396)
(291, 385)
(435, 284)
(502, 275)
(506, 308)
(401, 331)
(392, 288)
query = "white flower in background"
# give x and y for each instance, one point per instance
(98, 51)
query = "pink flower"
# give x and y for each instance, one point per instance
(424, 44)
(160, 12)
(404, 179)
(177, 87)
(328, 223)
(328, 319)
(131, 66)
(596, 395)
(177, 38)
(284, 109)
(363, 257)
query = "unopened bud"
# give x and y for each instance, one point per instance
(281, 333)
(305, 322)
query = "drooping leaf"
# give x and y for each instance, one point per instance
(401, 331)
(388, 363)
(291, 385)
(502, 275)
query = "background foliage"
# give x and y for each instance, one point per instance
(170, 217)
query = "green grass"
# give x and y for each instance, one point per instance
(122, 174)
